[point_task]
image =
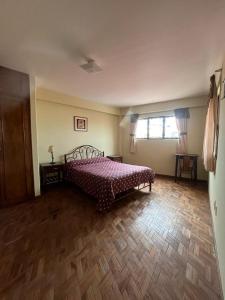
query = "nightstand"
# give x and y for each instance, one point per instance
(117, 158)
(51, 173)
(191, 168)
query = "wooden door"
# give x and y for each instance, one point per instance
(1, 160)
(15, 151)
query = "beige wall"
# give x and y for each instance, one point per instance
(33, 114)
(217, 194)
(55, 127)
(160, 154)
(166, 105)
(56, 97)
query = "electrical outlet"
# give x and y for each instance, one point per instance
(215, 208)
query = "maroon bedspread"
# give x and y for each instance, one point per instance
(103, 178)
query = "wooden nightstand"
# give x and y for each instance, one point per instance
(51, 173)
(192, 169)
(117, 158)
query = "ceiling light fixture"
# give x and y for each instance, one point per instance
(90, 66)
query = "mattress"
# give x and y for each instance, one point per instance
(103, 178)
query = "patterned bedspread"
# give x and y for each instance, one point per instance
(103, 179)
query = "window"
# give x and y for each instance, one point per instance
(157, 128)
(142, 129)
(171, 128)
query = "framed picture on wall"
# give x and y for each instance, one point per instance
(80, 123)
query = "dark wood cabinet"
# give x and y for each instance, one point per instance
(51, 173)
(16, 170)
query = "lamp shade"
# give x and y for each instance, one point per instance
(50, 149)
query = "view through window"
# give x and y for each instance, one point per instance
(157, 128)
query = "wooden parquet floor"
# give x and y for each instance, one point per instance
(149, 246)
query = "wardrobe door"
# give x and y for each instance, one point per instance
(16, 152)
(1, 161)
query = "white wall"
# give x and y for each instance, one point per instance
(159, 154)
(217, 194)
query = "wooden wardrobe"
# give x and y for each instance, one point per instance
(16, 170)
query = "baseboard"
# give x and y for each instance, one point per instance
(164, 176)
(179, 179)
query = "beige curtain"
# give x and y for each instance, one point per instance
(133, 126)
(211, 129)
(182, 116)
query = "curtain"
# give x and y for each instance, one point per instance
(133, 126)
(211, 129)
(182, 115)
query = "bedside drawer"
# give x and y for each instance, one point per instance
(116, 158)
(52, 169)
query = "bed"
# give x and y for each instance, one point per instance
(103, 178)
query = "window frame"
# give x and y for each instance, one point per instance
(163, 131)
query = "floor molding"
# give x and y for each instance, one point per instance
(179, 179)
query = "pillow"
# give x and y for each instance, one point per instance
(88, 161)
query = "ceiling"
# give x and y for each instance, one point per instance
(149, 50)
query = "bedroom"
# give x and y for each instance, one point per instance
(78, 73)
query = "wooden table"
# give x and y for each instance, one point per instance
(193, 170)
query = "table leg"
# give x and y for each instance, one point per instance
(176, 167)
(195, 169)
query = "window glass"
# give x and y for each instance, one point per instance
(170, 128)
(155, 127)
(142, 129)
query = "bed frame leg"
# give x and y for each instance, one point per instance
(150, 186)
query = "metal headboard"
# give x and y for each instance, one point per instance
(83, 152)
